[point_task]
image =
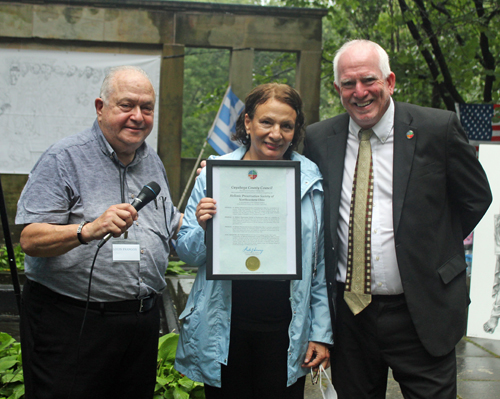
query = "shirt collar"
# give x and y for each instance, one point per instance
(140, 153)
(383, 129)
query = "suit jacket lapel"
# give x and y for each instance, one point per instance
(405, 140)
(336, 148)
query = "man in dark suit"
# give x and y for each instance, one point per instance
(429, 192)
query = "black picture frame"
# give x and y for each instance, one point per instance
(216, 168)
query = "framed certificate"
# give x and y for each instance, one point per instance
(256, 232)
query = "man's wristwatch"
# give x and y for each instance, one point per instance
(79, 233)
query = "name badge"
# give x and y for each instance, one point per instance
(126, 251)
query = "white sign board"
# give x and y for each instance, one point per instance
(47, 95)
(484, 311)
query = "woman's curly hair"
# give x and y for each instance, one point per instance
(261, 94)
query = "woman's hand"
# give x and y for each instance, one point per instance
(205, 210)
(317, 353)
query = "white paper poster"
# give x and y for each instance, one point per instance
(484, 311)
(48, 95)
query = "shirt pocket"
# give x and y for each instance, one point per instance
(190, 317)
(167, 209)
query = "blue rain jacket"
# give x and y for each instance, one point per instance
(204, 337)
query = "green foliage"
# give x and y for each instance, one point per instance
(18, 255)
(170, 383)
(175, 269)
(206, 76)
(272, 66)
(11, 372)
(454, 26)
(243, 2)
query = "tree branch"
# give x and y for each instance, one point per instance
(433, 68)
(438, 54)
(488, 60)
(442, 10)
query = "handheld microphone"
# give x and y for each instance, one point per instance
(148, 193)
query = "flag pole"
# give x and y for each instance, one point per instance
(183, 197)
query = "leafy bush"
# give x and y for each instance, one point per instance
(175, 269)
(170, 383)
(11, 371)
(4, 258)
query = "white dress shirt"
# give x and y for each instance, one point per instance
(385, 273)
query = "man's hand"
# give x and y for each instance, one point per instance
(205, 210)
(115, 220)
(45, 239)
(317, 353)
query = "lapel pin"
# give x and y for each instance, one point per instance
(410, 134)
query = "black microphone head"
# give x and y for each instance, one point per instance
(154, 187)
(148, 193)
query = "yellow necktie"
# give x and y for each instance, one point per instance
(357, 292)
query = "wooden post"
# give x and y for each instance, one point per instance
(170, 114)
(240, 71)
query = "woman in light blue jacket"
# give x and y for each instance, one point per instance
(257, 339)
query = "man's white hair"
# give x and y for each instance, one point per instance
(107, 84)
(384, 65)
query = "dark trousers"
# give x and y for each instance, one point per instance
(256, 368)
(382, 336)
(117, 352)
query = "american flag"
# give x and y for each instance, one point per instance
(480, 121)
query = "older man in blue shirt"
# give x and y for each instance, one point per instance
(77, 193)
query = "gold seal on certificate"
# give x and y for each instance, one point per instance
(252, 263)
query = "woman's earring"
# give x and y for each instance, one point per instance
(247, 136)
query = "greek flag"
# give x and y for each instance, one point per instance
(224, 124)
